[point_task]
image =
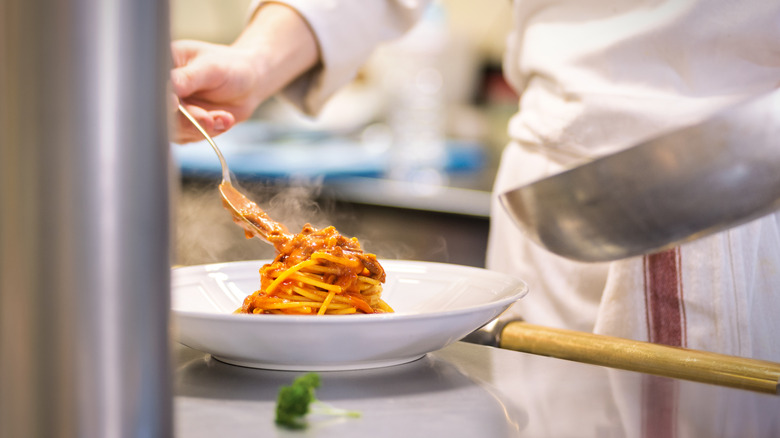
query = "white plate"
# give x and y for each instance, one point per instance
(435, 304)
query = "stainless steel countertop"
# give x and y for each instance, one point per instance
(468, 390)
(409, 195)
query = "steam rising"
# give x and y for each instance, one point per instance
(205, 232)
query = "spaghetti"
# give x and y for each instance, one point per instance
(315, 272)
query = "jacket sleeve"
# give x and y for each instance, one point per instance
(347, 31)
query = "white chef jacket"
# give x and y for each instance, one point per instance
(594, 77)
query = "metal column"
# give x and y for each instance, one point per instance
(84, 225)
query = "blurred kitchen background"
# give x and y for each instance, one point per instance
(403, 158)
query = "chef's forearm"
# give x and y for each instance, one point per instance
(284, 45)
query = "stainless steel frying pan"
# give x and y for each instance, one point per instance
(678, 187)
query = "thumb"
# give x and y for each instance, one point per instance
(188, 79)
(190, 73)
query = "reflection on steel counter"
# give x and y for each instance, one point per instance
(467, 390)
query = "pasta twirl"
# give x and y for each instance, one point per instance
(319, 272)
(315, 271)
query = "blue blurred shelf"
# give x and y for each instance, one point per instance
(255, 150)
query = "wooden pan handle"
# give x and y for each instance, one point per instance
(644, 357)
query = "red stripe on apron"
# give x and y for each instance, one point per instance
(665, 325)
(659, 407)
(663, 298)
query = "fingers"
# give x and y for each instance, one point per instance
(173, 104)
(214, 83)
(184, 50)
(190, 73)
(188, 79)
(214, 122)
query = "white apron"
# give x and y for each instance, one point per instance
(597, 76)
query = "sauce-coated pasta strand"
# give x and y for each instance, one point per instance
(318, 272)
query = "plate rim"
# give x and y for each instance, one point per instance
(521, 291)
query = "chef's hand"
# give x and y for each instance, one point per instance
(222, 85)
